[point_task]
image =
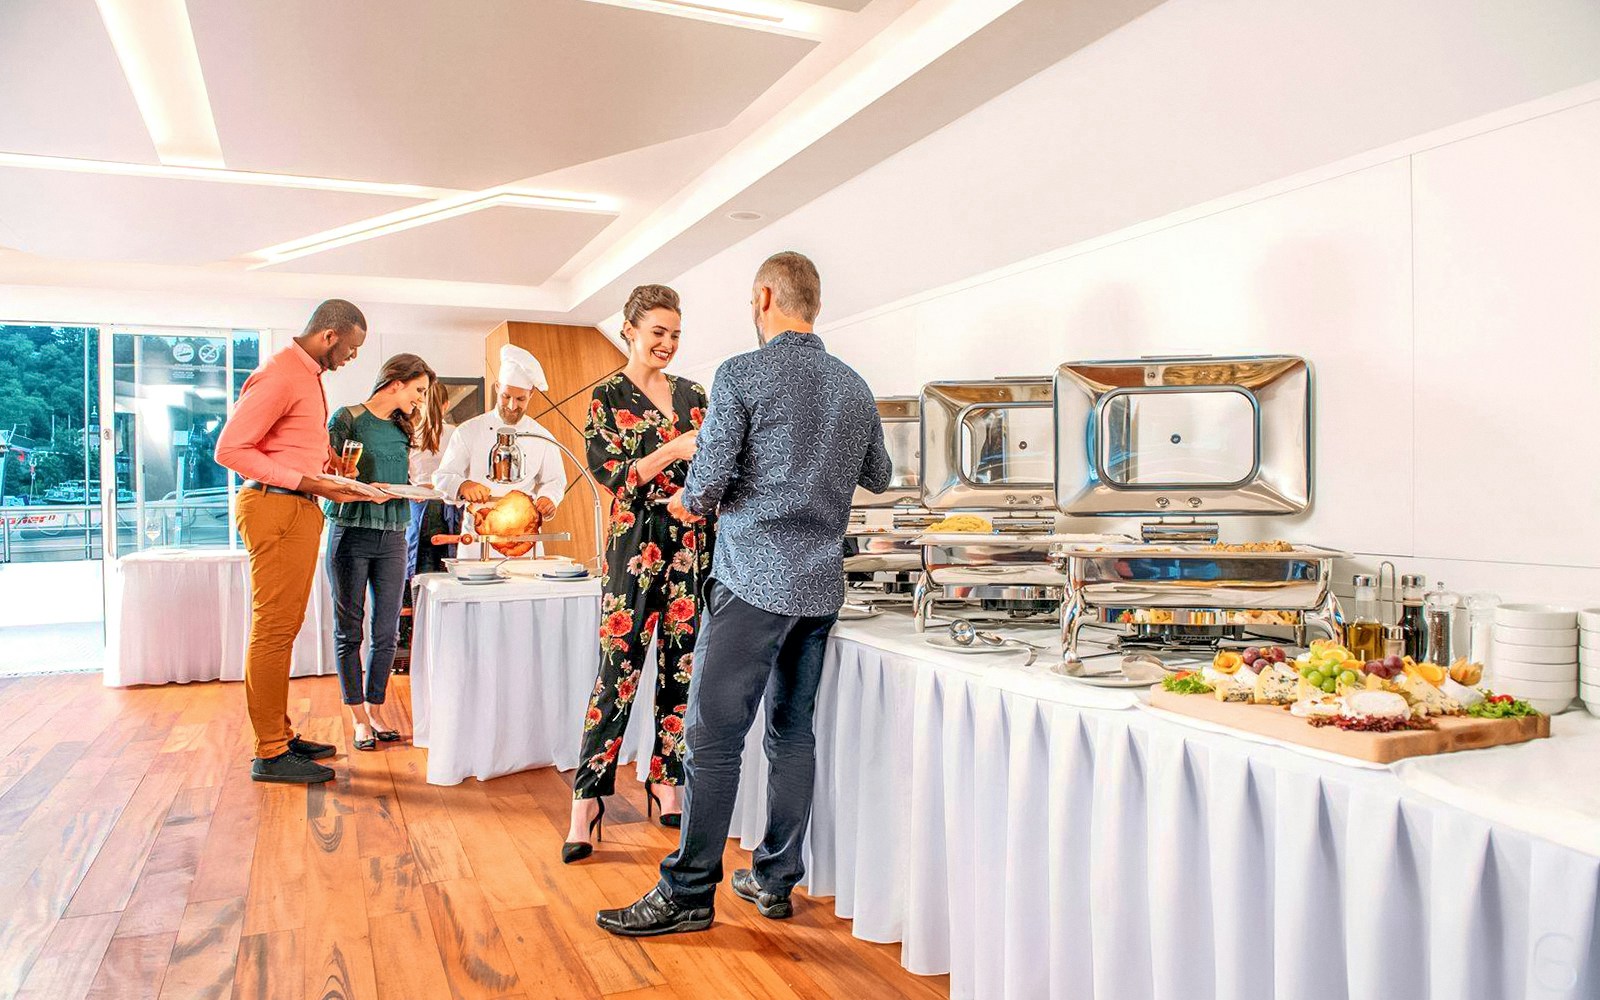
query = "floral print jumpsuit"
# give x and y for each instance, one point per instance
(655, 569)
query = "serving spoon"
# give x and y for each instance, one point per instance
(963, 634)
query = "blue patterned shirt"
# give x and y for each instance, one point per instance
(791, 432)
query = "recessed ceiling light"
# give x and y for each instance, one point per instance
(745, 216)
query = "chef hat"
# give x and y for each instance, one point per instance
(520, 370)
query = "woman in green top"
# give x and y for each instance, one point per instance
(367, 541)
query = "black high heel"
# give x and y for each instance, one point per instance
(571, 852)
(673, 821)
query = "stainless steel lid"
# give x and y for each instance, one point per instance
(1363, 580)
(988, 445)
(902, 436)
(1203, 436)
(1413, 580)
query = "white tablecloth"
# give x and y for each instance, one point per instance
(1030, 846)
(180, 615)
(501, 674)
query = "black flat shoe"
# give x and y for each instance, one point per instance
(655, 914)
(571, 852)
(672, 820)
(387, 735)
(367, 744)
(289, 768)
(770, 904)
(311, 750)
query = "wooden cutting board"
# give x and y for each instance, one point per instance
(1453, 732)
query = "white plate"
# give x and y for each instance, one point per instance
(582, 574)
(849, 614)
(1499, 652)
(1589, 619)
(1113, 681)
(1513, 636)
(1536, 616)
(1504, 671)
(476, 582)
(406, 492)
(947, 643)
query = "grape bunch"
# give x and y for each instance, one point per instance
(1329, 667)
(1266, 656)
(1387, 669)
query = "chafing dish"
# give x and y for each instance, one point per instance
(1222, 437)
(988, 448)
(881, 558)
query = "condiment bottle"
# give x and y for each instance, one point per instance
(1363, 633)
(1439, 615)
(1416, 634)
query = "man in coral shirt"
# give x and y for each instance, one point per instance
(277, 440)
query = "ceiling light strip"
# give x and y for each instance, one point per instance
(778, 17)
(397, 222)
(155, 44)
(70, 164)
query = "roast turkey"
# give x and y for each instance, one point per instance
(512, 514)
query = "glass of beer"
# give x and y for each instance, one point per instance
(351, 456)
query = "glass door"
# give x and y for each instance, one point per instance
(168, 395)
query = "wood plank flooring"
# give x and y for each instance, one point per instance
(137, 860)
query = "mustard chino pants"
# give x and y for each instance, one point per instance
(281, 533)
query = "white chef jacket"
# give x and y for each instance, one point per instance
(467, 457)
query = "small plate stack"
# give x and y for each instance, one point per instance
(1589, 659)
(1534, 655)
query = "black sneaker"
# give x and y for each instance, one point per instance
(770, 904)
(289, 768)
(310, 750)
(654, 914)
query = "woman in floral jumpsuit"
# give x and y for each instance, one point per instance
(655, 564)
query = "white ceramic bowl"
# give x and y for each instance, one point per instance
(1589, 672)
(1593, 706)
(1589, 618)
(1513, 636)
(1499, 653)
(1550, 706)
(1529, 690)
(474, 569)
(1589, 691)
(1508, 669)
(1535, 616)
(1589, 640)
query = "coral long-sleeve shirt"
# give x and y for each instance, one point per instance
(279, 429)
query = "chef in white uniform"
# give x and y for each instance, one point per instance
(464, 467)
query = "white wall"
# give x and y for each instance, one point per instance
(1446, 293)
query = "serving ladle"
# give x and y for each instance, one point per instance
(963, 634)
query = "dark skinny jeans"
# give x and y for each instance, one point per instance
(362, 560)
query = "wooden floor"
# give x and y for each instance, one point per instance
(137, 859)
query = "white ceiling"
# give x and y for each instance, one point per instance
(362, 127)
(467, 95)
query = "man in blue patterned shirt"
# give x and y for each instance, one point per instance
(791, 432)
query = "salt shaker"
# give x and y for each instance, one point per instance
(1480, 607)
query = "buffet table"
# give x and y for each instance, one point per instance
(1007, 831)
(181, 615)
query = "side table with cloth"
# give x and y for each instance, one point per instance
(1011, 833)
(180, 615)
(500, 673)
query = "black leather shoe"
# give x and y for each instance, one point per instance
(310, 750)
(289, 768)
(770, 904)
(654, 914)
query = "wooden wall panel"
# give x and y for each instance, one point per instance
(574, 359)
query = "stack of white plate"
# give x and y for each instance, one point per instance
(1534, 655)
(1589, 659)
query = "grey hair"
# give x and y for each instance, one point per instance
(796, 286)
